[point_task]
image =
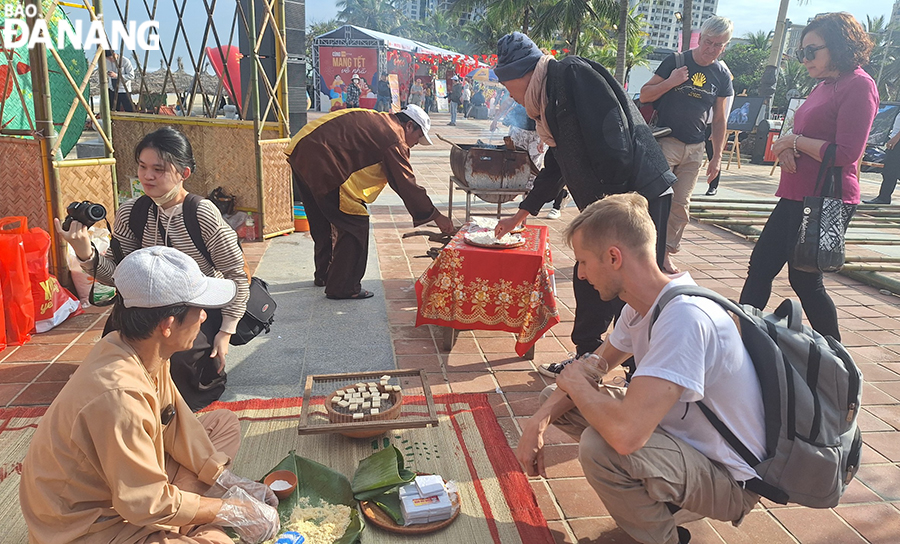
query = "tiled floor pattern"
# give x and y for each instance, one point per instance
(484, 361)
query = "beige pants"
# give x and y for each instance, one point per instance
(637, 489)
(684, 160)
(224, 431)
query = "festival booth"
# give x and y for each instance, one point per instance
(349, 50)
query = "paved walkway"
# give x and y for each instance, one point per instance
(485, 362)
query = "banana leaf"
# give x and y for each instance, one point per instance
(320, 484)
(379, 473)
(390, 505)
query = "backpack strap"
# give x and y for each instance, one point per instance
(192, 224)
(137, 219)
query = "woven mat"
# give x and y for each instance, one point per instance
(467, 446)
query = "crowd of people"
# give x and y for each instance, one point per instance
(119, 456)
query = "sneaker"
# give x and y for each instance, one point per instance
(711, 191)
(552, 370)
(877, 200)
(553, 214)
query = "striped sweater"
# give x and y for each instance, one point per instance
(220, 238)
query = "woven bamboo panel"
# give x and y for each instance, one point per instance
(277, 187)
(92, 183)
(22, 181)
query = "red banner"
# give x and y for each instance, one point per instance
(337, 65)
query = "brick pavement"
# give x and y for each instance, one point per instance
(484, 361)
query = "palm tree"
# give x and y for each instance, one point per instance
(760, 39)
(622, 41)
(569, 17)
(480, 36)
(437, 28)
(380, 15)
(637, 53)
(317, 29)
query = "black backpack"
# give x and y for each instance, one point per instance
(260, 313)
(811, 391)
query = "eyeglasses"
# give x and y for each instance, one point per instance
(808, 53)
(716, 45)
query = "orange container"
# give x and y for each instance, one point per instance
(770, 157)
(301, 225)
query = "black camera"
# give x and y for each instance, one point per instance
(85, 212)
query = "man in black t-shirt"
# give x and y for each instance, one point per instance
(685, 95)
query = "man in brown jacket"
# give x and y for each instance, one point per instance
(119, 457)
(341, 162)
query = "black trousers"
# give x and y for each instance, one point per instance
(714, 184)
(340, 259)
(890, 173)
(593, 315)
(772, 251)
(557, 203)
(120, 101)
(194, 372)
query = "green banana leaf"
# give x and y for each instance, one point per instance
(319, 483)
(380, 473)
(390, 504)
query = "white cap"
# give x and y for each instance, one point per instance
(154, 277)
(421, 118)
(454, 78)
(355, 76)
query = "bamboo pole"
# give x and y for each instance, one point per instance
(74, 163)
(43, 117)
(254, 94)
(871, 259)
(870, 268)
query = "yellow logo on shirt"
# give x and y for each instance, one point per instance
(698, 79)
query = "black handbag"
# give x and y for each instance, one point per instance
(820, 242)
(259, 316)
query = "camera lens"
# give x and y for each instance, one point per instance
(96, 212)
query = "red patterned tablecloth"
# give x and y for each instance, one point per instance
(470, 287)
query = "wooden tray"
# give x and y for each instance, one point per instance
(494, 246)
(376, 515)
(339, 417)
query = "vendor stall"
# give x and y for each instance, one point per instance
(349, 50)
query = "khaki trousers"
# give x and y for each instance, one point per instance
(224, 431)
(684, 160)
(638, 489)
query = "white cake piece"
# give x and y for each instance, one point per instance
(430, 485)
(344, 403)
(335, 399)
(374, 411)
(354, 407)
(339, 392)
(371, 384)
(376, 403)
(359, 415)
(385, 378)
(366, 405)
(385, 396)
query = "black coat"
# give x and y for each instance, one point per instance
(603, 145)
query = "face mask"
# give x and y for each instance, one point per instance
(168, 197)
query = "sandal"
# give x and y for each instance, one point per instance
(358, 296)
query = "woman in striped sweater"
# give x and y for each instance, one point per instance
(165, 160)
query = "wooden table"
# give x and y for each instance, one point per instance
(474, 288)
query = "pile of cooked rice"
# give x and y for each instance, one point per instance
(320, 524)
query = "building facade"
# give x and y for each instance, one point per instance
(663, 19)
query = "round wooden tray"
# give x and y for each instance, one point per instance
(376, 515)
(494, 246)
(391, 413)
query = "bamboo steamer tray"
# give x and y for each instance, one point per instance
(494, 246)
(341, 416)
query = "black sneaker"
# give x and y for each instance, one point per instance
(711, 191)
(552, 370)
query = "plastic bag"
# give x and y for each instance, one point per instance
(53, 303)
(18, 304)
(83, 280)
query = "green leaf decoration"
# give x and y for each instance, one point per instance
(379, 473)
(320, 484)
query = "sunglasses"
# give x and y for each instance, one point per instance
(808, 53)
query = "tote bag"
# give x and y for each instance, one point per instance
(820, 243)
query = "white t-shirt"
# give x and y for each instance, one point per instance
(696, 345)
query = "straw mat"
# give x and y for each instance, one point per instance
(468, 446)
